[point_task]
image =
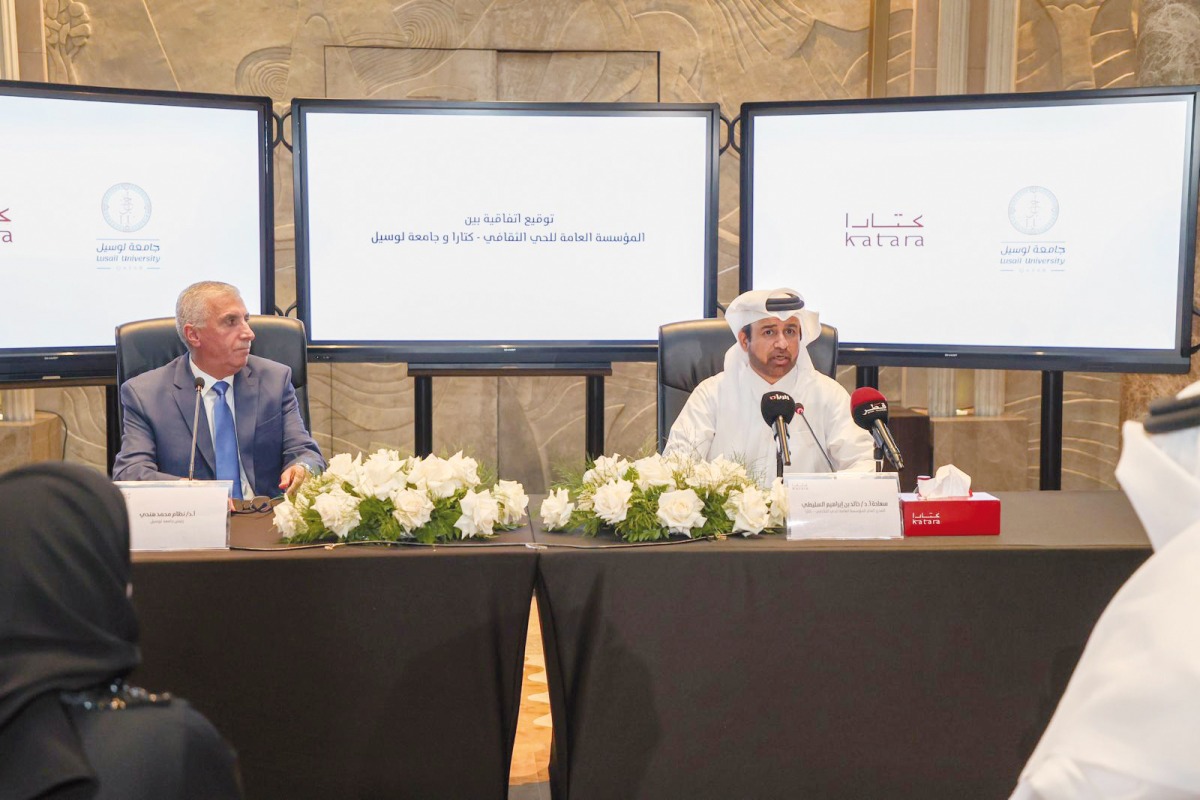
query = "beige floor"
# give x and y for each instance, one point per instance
(531, 752)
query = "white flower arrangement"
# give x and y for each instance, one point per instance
(387, 497)
(661, 496)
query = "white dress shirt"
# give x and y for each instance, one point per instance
(210, 398)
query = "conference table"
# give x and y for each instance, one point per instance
(764, 668)
(749, 667)
(352, 672)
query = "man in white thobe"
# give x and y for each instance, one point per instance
(1128, 725)
(723, 416)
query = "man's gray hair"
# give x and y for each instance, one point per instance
(192, 306)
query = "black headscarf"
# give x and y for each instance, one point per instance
(66, 622)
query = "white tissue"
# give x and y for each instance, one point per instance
(950, 481)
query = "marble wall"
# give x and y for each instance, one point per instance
(725, 51)
(1168, 53)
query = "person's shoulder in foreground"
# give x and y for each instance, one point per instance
(1128, 724)
(128, 750)
(70, 726)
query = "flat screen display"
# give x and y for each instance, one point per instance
(1018, 231)
(505, 233)
(111, 203)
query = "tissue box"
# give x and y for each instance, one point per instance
(977, 515)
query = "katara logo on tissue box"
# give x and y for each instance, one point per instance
(977, 515)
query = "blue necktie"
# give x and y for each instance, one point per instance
(225, 441)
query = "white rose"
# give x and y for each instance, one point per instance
(679, 462)
(748, 509)
(287, 519)
(611, 501)
(557, 510)
(779, 504)
(606, 468)
(705, 475)
(413, 508)
(434, 475)
(338, 510)
(312, 487)
(731, 472)
(653, 471)
(344, 468)
(466, 470)
(680, 511)
(513, 501)
(381, 475)
(480, 511)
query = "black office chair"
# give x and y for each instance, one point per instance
(689, 352)
(150, 343)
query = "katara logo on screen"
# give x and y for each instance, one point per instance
(895, 229)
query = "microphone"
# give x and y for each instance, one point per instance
(778, 408)
(195, 422)
(816, 441)
(870, 411)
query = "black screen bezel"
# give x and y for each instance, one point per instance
(98, 363)
(934, 354)
(480, 353)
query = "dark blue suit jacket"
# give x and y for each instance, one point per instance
(156, 437)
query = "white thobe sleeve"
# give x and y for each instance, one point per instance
(850, 447)
(694, 429)
(1060, 778)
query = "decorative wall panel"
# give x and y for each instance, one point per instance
(725, 51)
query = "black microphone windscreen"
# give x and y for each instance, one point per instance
(868, 405)
(776, 405)
(199, 383)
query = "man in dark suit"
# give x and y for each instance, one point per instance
(250, 429)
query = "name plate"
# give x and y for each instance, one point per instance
(844, 505)
(177, 515)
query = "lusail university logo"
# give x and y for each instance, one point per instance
(1033, 210)
(126, 207)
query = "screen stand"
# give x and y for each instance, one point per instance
(423, 415)
(423, 374)
(1052, 420)
(866, 376)
(594, 417)
(113, 429)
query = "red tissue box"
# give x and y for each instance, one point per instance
(977, 515)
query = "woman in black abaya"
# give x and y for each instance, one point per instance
(70, 727)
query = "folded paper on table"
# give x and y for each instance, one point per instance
(844, 505)
(177, 515)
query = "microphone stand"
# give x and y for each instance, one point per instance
(782, 456)
(195, 422)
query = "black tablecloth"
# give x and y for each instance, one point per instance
(763, 668)
(358, 672)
